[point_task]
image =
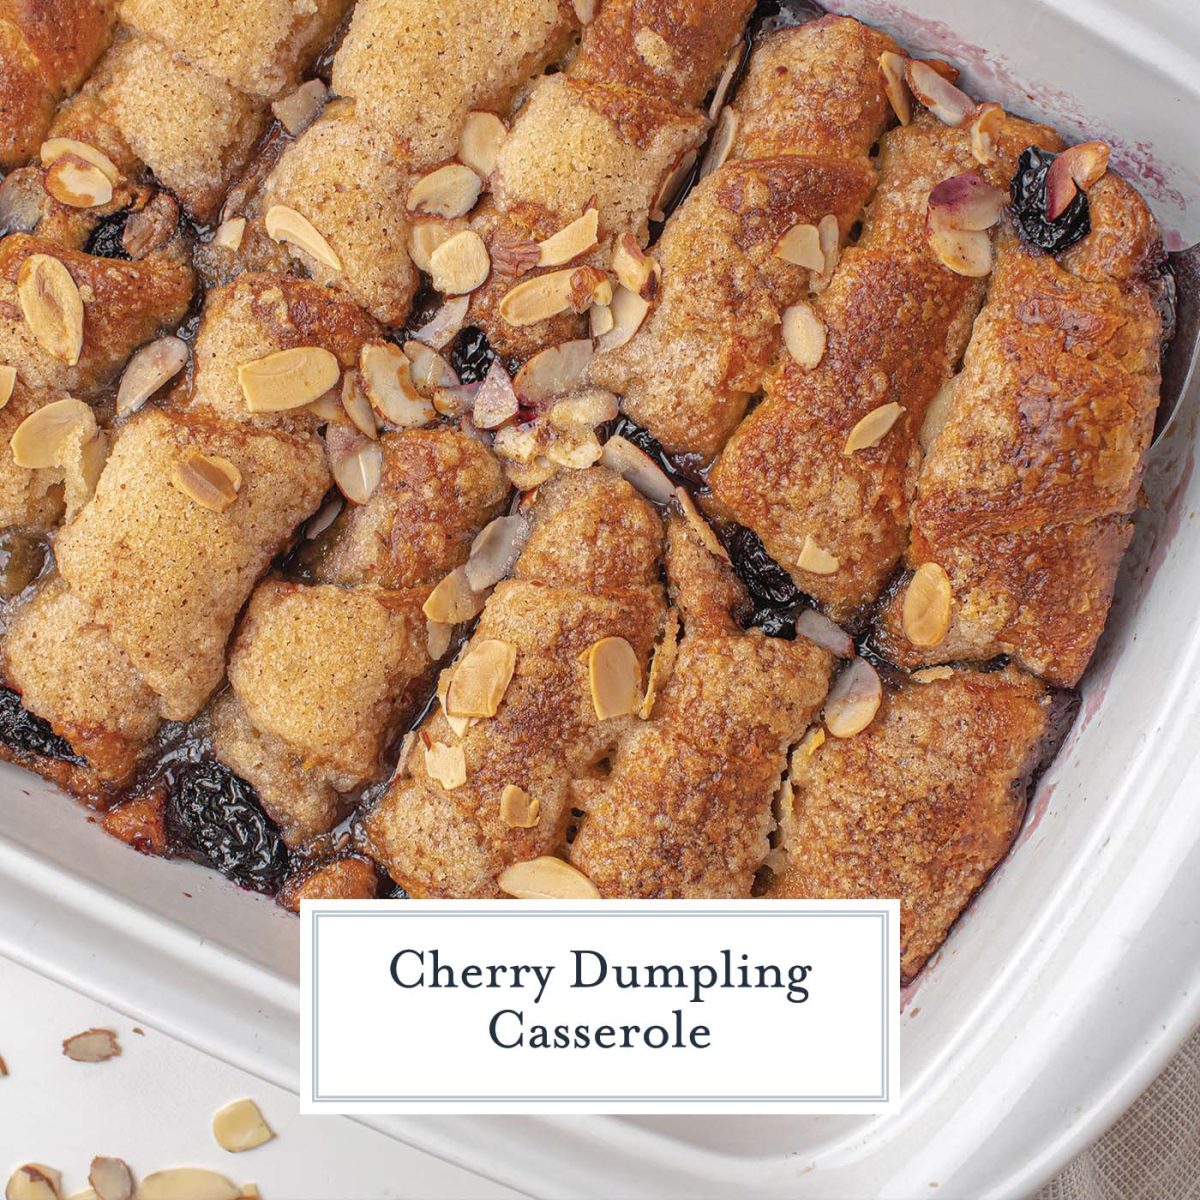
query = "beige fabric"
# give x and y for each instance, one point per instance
(1153, 1151)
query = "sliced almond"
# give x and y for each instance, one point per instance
(721, 144)
(91, 1046)
(702, 528)
(8, 381)
(356, 405)
(300, 108)
(936, 414)
(323, 518)
(437, 639)
(518, 809)
(460, 264)
(985, 129)
(804, 335)
(450, 191)
(33, 1182)
(963, 251)
(287, 379)
(812, 741)
(187, 1183)
(424, 238)
(895, 85)
(816, 559)
(355, 461)
(211, 481)
(965, 202)
(575, 451)
(628, 310)
(152, 366)
(573, 240)
(41, 440)
(229, 234)
(78, 184)
(285, 224)
(801, 245)
(830, 233)
(554, 371)
(585, 10)
(583, 410)
(927, 604)
(634, 268)
(55, 148)
(84, 455)
(386, 373)
(240, 1126)
(547, 878)
(481, 679)
(453, 600)
(328, 405)
(662, 664)
(52, 307)
(430, 370)
(495, 550)
(600, 319)
(522, 443)
(111, 1179)
(673, 185)
(440, 329)
(950, 105)
(728, 71)
(873, 428)
(479, 144)
(615, 676)
(446, 764)
(932, 674)
(496, 402)
(853, 700)
(1076, 167)
(639, 469)
(537, 299)
(819, 629)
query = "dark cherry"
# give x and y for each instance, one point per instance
(21, 730)
(769, 585)
(1029, 206)
(397, 893)
(214, 817)
(105, 240)
(472, 355)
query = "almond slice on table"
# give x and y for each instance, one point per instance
(573, 240)
(460, 264)
(152, 366)
(895, 85)
(804, 335)
(187, 1183)
(927, 603)
(453, 600)
(52, 307)
(553, 371)
(801, 246)
(229, 233)
(386, 373)
(1077, 167)
(853, 700)
(55, 148)
(547, 878)
(634, 268)
(92, 1045)
(479, 144)
(446, 764)
(211, 481)
(285, 224)
(873, 428)
(78, 184)
(43, 438)
(627, 310)
(449, 191)
(240, 1126)
(33, 1181)
(355, 461)
(948, 103)
(288, 379)
(300, 108)
(8, 381)
(111, 1179)
(481, 678)
(816, 558)
(518, 809)
(615, 678)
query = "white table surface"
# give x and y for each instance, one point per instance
(153, 1107)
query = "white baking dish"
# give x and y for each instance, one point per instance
(1073, 977)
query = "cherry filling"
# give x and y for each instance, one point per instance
(1029, 206)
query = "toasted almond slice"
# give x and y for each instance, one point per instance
(91, 1046)
(445, 323)
(937, 413)
(41, 440)
(950, 105)
(673, 185)
(585, 10)
(575, 451)
(240, 1126)
(830, 233)
(812, 741)
(386, 373)
(430, 370)
(662, 664)
(635, 467)
(703, 529)
(985, 129)
(804, 335)
(853, 700)
(111, 1178)
(8, 381)
(583, 410)
(721, 145)
(229, 234)
(33, 1182)
(450, 191)
(518, 809)
(537, 299)
(495, 550)
(819, 629)
(634, 268)
(453, 600)
(496, 402)
(815, 558)
(547, 878)
(287, 379)
(481, 679)
(211, 481)
(895, 85)
(522, 443)
(460, 264)
(801, 245)
(573, 240)
(78, 184)
(628, 311)
(1076, 167)
(187, 1183)
(285, 224)
(424, 238)
(615, 676)
(55, 148)
(437, 638)
(328, 405)
(479, 144)
(728, 71)
(83, 459)
(965, 202)
(600, 319)
(323, 518)
(300, 108)
(963, 251)
(356, 405)
(152, 366)
(52, 307)
(355, 461)
(553, 371)
(446, 764)
(931, 674)
(927, 603)
(873, 428)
